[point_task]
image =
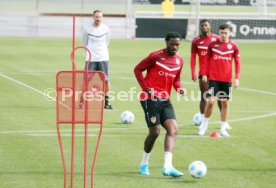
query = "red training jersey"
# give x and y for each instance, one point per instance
(163, 72)
(200, 47)
(220, 56)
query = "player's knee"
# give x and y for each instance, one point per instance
(224, 103)
(173, 131)
(155, 131)
(211, 103)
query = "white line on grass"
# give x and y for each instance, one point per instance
(133, 128)
(33, 89)
(44, 94)
(106, 135)
(258, 91)
(117, 77)
(51, 73)
(25, 85)
(63, 135)
(66, 130)
(253, 117)
(245, 118)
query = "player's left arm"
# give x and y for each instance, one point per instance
(237, 67)
(108, 35)
(193, 60)
(177, 83)
(206, 67)
(85, 38)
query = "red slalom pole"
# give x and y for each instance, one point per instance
(85, 131)
(73, 43)
(86, 124)
(73, 105)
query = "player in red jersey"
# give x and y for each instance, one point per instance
(200, 48)
(219, 71)
(163, 72)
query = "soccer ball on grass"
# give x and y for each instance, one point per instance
(197, 169)
(127, 117)
(197, 119)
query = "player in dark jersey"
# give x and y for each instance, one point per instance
(163, 72)
(199, 48)
(219, 71)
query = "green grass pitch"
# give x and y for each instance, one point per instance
(29, 150)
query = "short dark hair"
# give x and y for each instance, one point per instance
(224, 26)
(97, 11)
(205, 20)
(172, 34)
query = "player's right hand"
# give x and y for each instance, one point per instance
(194, 79)
(236, 83)
(181, 91)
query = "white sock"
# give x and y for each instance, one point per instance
(204, 120)
(168, 160)
(223, 124)
(202, 115)
(145, 158)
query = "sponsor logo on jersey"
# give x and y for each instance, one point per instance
(201, 42)
(203, 53)
(163, 58)
(216, 45)
(219, 57)
(162, 73)
(213, 39)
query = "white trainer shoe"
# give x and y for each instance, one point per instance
(224, 133)
(202, 129)
(227, 126)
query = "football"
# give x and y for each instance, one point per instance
(197, 169)
(197, 119)
(127, 117)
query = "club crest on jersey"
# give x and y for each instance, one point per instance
(229, 46)
(201, 42)
(177, 61)
(162, 58)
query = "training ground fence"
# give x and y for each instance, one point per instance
(128, 19)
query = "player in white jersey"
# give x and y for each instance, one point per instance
(96, 38)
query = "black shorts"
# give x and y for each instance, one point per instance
(157, 111)
(221, 90)
(100, 66)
